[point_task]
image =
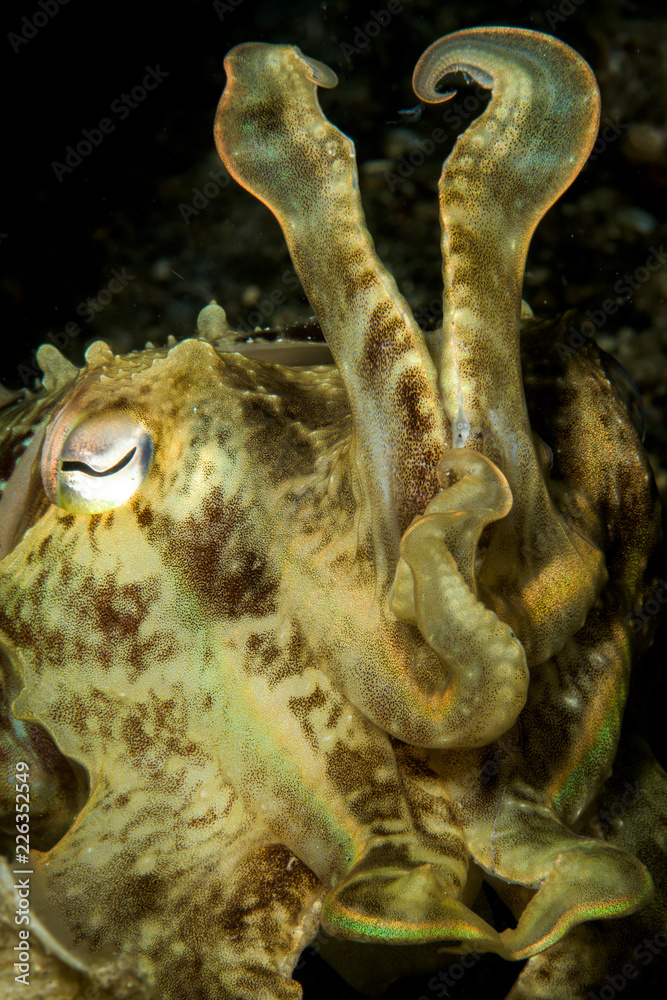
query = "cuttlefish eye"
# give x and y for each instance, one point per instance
(101, 463)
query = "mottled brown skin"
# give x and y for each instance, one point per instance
(284, 677)
(561, 750)
(52, 803)
(160, 646)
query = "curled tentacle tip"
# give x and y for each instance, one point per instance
(319, 72)
(487, 55)
(248, 56)
(445, 57)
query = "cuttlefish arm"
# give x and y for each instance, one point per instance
(273, 138)
(503, 174)
(275, 141)
(545, 773)
(631, 816)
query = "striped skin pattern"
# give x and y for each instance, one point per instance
(290, 647)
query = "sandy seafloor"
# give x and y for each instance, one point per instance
(125, 207)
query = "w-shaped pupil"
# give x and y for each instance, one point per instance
(82, 467)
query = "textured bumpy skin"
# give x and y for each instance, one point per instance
(329, 644)
(516, 160)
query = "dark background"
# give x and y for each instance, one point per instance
(122, 206)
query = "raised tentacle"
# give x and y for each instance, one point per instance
(274, 139)
(505, 171)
